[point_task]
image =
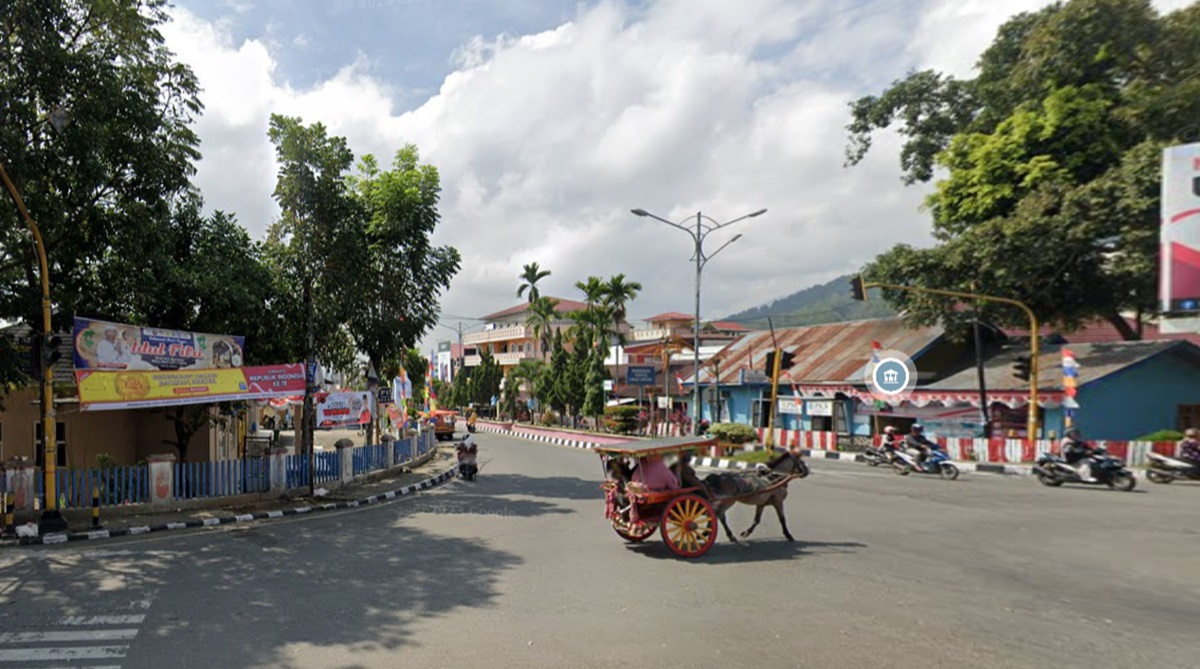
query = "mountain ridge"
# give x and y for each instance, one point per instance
(823, 303)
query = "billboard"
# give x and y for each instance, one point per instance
(138, 389)
(1180, 261)
(113, 346)
(344, 409)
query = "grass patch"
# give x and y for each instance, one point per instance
(753, 457)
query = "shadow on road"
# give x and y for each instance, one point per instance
(264, 594)
(724, 552)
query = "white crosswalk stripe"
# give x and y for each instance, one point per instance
(91, 642)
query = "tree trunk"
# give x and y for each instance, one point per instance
(1122, 326)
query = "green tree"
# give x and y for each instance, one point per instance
(1051, 157)
(617, 294)
(95, 135)
(316, 246)
(200, 274)
(556, 371)
(543, 311)
(530, 275)
(594, 395)
(485, 379)
(402, 273)
(593, 290)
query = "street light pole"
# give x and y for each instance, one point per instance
(698, 235)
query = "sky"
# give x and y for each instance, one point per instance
(550, 120)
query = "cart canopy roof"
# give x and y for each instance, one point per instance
(640, 449)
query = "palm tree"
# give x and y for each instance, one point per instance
(594, 290)
(542, 313)
(616, 293)
(529, 277)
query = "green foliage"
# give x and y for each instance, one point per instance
(621, 419)
(106, 178)
(594, 395)
(754, 457)
(1052, 156)
(733, 433)
(401, 273)
(530, 275)
(1162, 435)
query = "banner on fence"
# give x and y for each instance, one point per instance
(113, 346)
(343, 409)
(100, 389)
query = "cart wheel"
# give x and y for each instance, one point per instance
(634, 536)
(689, 526)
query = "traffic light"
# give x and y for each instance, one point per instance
(770, 363)
(785, 362)
(34, 362)
(856, 288)
(50, 350)
(1021, 367)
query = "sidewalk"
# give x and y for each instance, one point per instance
(383, 486)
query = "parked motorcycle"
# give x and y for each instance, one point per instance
(1052, 470)
(938, 463)
(877, 456)
(1163, 469)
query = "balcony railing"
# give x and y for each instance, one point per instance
(502, 359)
(497, 334)
(649, 335)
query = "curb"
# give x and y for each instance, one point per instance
(62, 538)
(557, 441)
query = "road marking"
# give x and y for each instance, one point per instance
(135, 619)
(73, 635)
(68, 653)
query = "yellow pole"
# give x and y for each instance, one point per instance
(49, 438)
(1033, 340)
(770, 440)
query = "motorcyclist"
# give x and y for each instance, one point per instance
(1189, 448)
(891, 440)
(1078, 453)
(917, 441)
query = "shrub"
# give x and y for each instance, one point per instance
(550, 418)
(621, 419)
(734, 433)
(1162, 435)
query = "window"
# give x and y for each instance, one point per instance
(1188, 416)
(60, 441)
(761, 413)
(822, 423)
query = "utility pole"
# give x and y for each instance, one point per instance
(776, 361)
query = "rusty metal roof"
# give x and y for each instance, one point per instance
(827, 353)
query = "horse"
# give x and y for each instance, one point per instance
(727, 489)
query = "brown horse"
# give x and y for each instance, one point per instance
(755, 488)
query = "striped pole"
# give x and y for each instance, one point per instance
(95, 507)
(1070, 375)
(9, 524)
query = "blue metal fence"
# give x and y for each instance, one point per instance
(194, 480)
(117, 485)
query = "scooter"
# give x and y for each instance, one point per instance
(467, 455)
(1163, 469)
(1052, 470)
(878, 456)
(938, 462)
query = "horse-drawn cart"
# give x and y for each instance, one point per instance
(687, 517)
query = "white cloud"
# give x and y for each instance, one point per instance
(546, 141)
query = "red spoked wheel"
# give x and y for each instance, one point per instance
(636, 533)
(689, 526)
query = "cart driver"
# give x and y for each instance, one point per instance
(653, 473)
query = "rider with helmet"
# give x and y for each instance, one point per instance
(891, 440)
(917, 441)
(1078, 453)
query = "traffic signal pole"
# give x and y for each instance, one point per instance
(52, 519)
(859, 288)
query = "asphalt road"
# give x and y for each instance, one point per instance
(520, 569)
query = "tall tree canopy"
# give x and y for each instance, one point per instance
(1051, 156)
(402, 273)
(94, 133)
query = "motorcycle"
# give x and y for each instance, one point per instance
(1053, 470)
(467, 466)
(938, 463)
(878, 456)
(1163, 469)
